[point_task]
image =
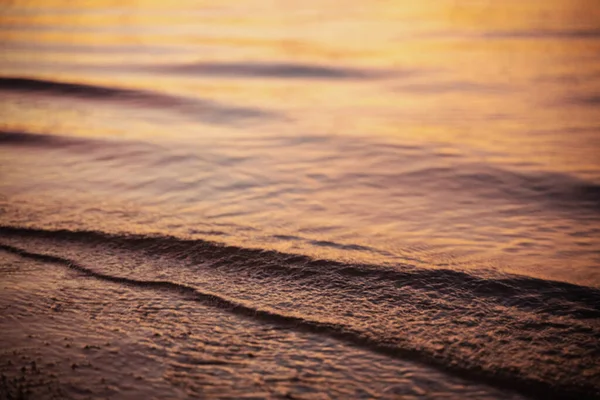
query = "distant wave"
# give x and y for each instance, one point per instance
(589, 101)
(444, 87)
(545, 34)
(75, 89)
(487, 182)
(74, 48)
(551, 188)
(15, 138)
(77, 145)
(206, 110)
(557, 312)
(272, 70)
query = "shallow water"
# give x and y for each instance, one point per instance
(415, 162)
(129, 341)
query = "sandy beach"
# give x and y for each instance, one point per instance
(66, 335)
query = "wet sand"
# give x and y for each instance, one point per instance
(66, 335)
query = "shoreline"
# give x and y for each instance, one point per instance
(94, 339)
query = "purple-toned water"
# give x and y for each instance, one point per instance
(419, 180)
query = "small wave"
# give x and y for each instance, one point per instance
(273, 70)
(326, 243)
(437, 88)
(14, 138)
(74, 48)
(553, 297)
(573, 34)
(586, 101)
(552, 189)
(92, 148)
(206, 110)
(529, 384)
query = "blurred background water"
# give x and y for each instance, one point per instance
(430, 133)
(421, 179)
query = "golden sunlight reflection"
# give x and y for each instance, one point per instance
(282, 199)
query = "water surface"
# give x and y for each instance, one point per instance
(405, 159)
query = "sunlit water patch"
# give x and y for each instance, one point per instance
(414, 161)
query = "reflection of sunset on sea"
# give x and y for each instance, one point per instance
(300, 199)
